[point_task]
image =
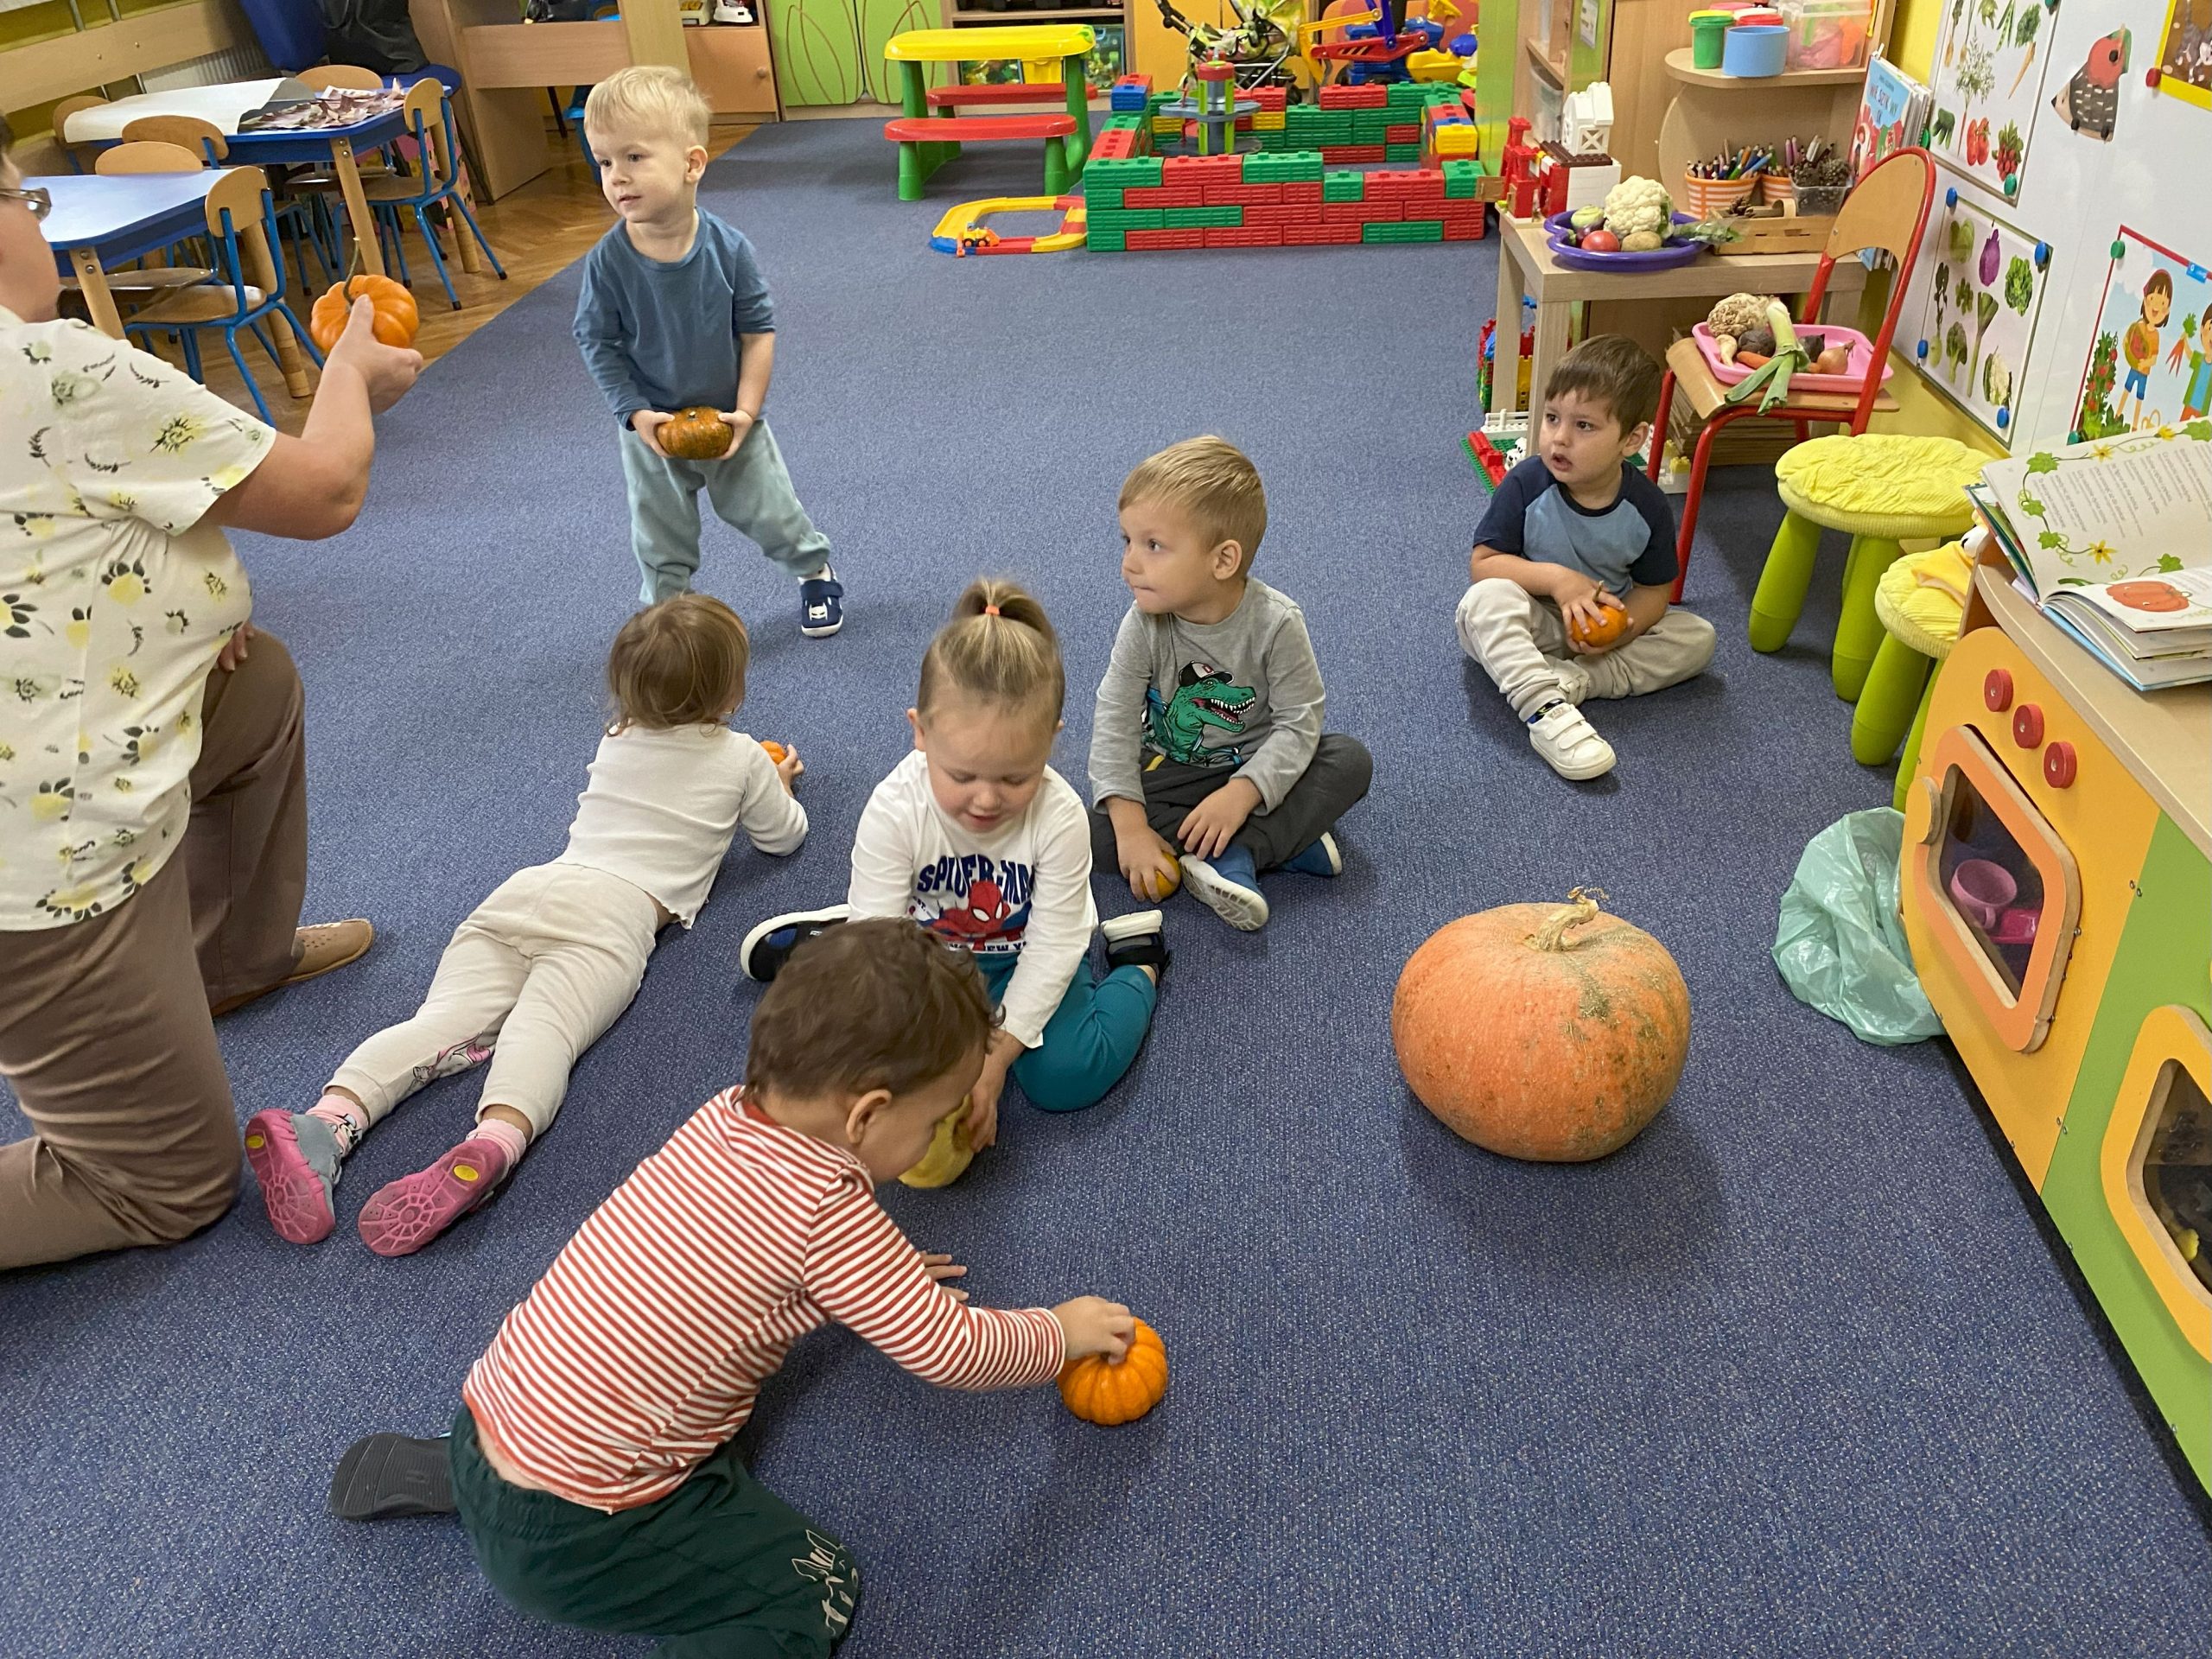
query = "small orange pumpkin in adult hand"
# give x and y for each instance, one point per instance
(396, 321)
(696, 435)
(1111, 1391)
(1613, 622)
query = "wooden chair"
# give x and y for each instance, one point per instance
(148, 281)
(146, 155)
(429, 122)
(340, 77)
(241, 220)
(1887, 211)
(302, 216)
(62, 112)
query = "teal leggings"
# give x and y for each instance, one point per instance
(1092, 1038)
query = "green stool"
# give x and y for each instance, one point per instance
(1881, 488)
(1919, 620)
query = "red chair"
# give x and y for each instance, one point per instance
(1887, 211)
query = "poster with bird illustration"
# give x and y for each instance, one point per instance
(1987, 76)
(1977, 291)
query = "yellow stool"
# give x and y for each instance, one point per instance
(1883, 488)
(1919, 601)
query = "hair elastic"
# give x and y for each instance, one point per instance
(991, 610)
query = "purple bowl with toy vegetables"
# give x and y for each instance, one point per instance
(1678, 250)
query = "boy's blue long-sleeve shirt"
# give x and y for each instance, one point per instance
(665, 336)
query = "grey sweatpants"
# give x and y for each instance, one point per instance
(1332, 783)
(1520, 642)
(751, 492)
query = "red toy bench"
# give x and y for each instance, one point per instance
(928, 142)
(1016, 92)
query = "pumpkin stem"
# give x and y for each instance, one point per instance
(1581, 907)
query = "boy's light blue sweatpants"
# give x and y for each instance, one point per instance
(751, 492)
(1092, 1038)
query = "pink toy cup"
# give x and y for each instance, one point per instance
(1980, 889)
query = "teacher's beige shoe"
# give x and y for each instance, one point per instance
(320, 948)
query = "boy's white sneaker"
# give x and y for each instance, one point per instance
(1568, 742)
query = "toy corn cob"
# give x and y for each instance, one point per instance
(1771, 379)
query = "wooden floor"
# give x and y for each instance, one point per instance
(537, 232)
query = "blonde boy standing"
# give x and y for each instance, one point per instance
(675, 315)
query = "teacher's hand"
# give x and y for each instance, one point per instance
(388, 371)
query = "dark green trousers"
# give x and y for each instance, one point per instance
(721, 1568)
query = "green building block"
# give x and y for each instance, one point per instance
(1189, 218)
(1401, 153)
(1403, 230)
(1100, 241)
(1108, 197)
(1343, 184)
(1121, 173)
(1462, 179)
(1284, 167)
(1126, 219)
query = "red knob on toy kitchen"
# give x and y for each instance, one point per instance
(1996, 690)
(2059, 765)
(2027, 726)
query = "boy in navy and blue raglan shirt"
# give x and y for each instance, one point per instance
(675, 315)
(1575, 533)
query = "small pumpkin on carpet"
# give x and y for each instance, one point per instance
(1112, 1391)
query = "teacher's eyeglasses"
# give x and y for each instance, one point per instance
(41, 202)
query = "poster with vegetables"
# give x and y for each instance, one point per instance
(1983, 282)
(1987, 79)
(2185, 52)
(2150, 359)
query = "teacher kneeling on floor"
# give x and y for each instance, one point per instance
(153, 790)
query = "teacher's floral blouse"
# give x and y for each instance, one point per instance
(114, 601)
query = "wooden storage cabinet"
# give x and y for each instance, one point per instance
(731, 63)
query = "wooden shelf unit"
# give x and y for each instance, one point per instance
(1682, 68)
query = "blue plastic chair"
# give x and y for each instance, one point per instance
(239, 205)
(436, 182)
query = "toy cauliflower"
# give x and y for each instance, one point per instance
(1739, 323)
(1638, 207)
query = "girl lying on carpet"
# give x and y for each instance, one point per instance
(550, 960)
(975, 836)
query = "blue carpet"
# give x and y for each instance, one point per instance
(1793, 1373)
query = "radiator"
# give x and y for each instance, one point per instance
(238, 63)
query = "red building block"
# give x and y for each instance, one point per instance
(1163, 195)
(1182, 237)
(1371, 97)
(1269, 98)
(1319, 235)
(1243, 236)
(1240, 195)
(1305, 192)
(1406, 135)
(1202, 169)
(1354, 155)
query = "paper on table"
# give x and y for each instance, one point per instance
(223, 105)
(2101, 511)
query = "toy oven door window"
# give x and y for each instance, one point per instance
(2001, 888)
(2157, 1166)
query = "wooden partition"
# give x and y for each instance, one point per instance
(107, 52)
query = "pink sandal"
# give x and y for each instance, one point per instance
(297, 1192)
(408, 1213)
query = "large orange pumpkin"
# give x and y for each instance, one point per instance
(397, 319)
(696, 435)
(1542, 1031)
(1110, 1391)
(1613, 622)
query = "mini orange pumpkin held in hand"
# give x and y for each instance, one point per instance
(1107, 1391)
(776, 750)
(1612, 624)
(397, 319)
(696, 435)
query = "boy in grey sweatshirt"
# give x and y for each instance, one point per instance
(1208, 763)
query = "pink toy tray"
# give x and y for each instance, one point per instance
(1852, 380)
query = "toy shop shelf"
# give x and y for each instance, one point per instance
(1552, 69)
(1680, 66)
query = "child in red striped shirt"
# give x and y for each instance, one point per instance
(593, 1460)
